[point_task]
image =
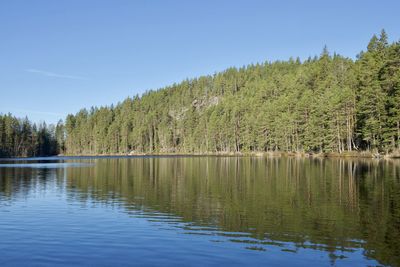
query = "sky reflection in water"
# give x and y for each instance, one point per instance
(199, 211)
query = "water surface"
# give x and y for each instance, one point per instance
(198, 211)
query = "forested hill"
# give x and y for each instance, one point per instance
(327, 103)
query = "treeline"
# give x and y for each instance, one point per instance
(22, 138)
(326, 103)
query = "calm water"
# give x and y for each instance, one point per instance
(199, 211)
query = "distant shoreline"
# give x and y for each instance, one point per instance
(351, 154)
(347, 154)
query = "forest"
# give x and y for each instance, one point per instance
(326, 103)
(22, 138)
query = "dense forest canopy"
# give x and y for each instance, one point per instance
(20, 137)
(328, 103)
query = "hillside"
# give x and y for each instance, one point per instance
(327, 103)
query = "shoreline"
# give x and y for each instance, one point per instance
(348, 154)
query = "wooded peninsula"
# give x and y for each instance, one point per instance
(324, 104)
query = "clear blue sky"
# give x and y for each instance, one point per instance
(57, 57)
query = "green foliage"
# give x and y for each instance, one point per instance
(21, 138)
(328, 103)
(378, 90)
(271, 106)
(325, 104)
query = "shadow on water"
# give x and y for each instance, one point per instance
(332, 205)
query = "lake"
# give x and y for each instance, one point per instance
(199, 211)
